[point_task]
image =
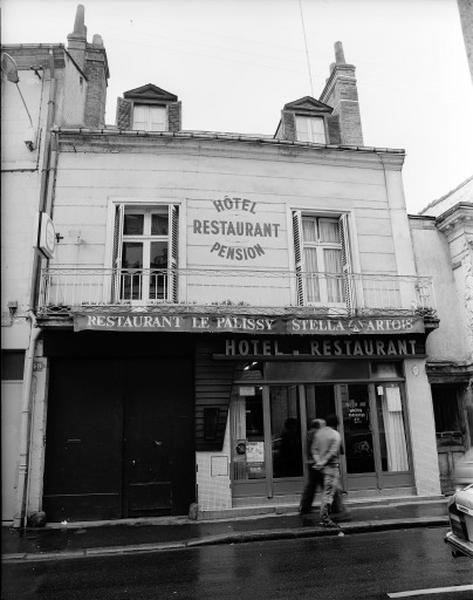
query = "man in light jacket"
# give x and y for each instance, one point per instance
(325, 451)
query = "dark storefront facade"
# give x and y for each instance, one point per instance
(131, 414)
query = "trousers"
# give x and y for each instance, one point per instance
(331, 476)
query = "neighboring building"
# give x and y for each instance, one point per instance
(212, 293)
(465, 10)
(443, 235)
(42, 86)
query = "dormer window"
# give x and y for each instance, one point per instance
(310, 129)
(148, 117)
(149, 108)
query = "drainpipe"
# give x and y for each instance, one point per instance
(19, 519)
(46, 176)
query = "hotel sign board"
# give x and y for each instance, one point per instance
(244, 324)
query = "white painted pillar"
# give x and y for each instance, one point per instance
(422, 428)
(34, 498)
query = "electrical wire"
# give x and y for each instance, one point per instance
(306, 50)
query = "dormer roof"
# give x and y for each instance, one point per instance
(150, 93)
(308, 105)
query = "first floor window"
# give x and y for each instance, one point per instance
(146, 253)
(322, 258)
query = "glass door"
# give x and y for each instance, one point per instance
(286, 426)
(394, 457)
(248, 435)
(267, 433)
(359, 443)
(375, 443)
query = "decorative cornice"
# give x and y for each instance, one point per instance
(454, 216)
(308, 105)
(118, 138)
(150, 92)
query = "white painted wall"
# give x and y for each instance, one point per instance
(11, 411)
(197, 174)
(213, 486)
(450, 341)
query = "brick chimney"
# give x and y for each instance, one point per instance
(341, 93)
(97, 73)
(77, 40)
(92, 60)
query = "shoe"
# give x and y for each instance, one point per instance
(328, 523)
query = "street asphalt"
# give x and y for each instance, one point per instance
(78, 540)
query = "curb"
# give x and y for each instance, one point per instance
(232, 538)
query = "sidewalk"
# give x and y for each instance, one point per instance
(80, 540)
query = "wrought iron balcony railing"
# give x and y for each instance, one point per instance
(66, 289)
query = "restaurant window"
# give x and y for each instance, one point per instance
(447, 412)
(322, 256)
(145, 253)
(310, 129)
(13, 362)
(147, 117)
(392, 434)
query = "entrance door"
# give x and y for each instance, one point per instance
(376, 453)
(359, 450)
(158, 455)
(267, 454)
(120, 440)
(83, 474)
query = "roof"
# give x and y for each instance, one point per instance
(462, 193)
(308, 105)
(150, 92)
(216, 135)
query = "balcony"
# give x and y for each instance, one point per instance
(64, 290)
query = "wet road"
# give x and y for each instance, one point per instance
(360, 566)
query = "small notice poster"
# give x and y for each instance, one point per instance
(254, 452)
(393, 397)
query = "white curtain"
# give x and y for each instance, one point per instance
(394, 430)
(312, 279)
(329, 230)
(333, 266)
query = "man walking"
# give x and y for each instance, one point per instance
(314, 476)
(325, 451)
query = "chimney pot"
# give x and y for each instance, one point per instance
(339, 55)
(80, 30)
(97, 40)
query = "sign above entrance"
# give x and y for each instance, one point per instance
(246, 324)
(322, 349)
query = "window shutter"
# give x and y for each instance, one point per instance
(117, 250)
(173, 252)
(124, 109)
(297, 233)
(348, 287)
(333, 123)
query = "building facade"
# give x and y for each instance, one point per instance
(43, 86)
(442, 237)
(212, 293)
